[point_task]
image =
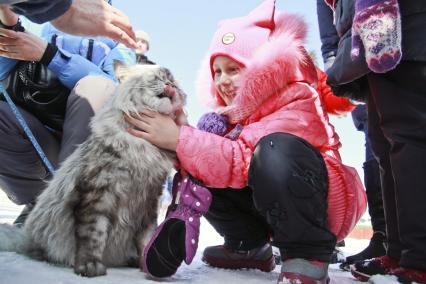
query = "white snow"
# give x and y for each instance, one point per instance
(381, 279)
(19, 269)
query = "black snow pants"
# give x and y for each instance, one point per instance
(286, 200)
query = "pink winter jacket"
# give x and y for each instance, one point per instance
(277, 94)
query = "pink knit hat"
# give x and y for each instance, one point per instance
(269, 44)
(239, 38)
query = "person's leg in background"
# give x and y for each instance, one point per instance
(87, 97)
(22, 173)
(401, 104)
(398, 137)
(362, 270)
(377, 245)
(289, 179)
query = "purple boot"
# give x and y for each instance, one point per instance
(176, 238)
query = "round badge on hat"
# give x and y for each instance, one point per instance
(228, 38)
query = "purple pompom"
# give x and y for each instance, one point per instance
(213, 123)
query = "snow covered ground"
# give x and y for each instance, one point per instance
(18, 269)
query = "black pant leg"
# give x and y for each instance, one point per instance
(381, 149)
(400, 105)
(290, 184)
(23, 176)
(233, 215)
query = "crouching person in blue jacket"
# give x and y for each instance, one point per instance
(83, 65)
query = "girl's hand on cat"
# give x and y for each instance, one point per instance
(181, 117)
(157, 128)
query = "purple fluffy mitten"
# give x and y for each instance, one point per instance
(377, 28)
(213, 123)
(219, 125)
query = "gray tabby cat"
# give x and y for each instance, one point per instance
(101, 207)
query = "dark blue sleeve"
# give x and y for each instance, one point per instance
(328, 33)
(41, 11)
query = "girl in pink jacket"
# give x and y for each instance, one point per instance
(280, 179)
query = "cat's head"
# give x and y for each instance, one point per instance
(148, 87)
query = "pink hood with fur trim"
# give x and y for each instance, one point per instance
(276, 94)
(280, 60)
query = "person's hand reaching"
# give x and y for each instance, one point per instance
(96, 18)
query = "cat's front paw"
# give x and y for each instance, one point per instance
(133, 262)
(90, 268)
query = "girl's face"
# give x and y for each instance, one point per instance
(226, 76)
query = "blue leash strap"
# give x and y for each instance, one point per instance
(27, 130)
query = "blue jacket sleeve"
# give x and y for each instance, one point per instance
(328, 34)
(40, 11)
(70, 68)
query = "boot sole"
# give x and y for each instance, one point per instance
(359, 275)
(265, 265)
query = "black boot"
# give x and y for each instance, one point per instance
(224, 257)
(338, 256)
(20, 220)
(168, 250)
(375, 248)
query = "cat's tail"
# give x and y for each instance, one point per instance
(13, 239)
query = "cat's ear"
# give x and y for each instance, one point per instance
(121, 70)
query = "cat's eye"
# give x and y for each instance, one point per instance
(162, 95)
